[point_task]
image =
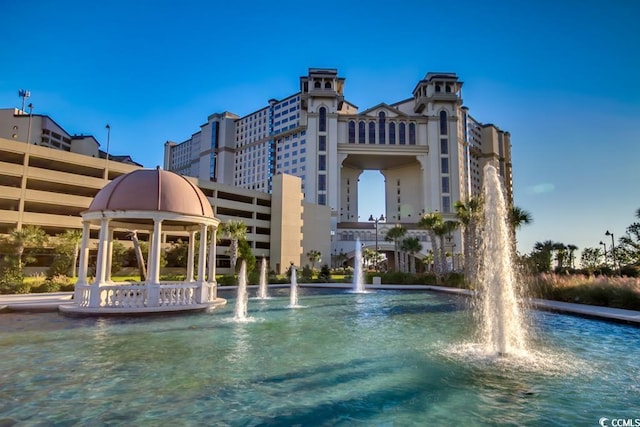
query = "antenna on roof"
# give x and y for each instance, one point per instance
(24, 94)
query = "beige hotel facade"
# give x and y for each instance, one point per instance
(289, 170)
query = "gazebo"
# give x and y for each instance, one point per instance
(156, 201)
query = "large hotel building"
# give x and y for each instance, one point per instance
(428, 147)
(289, 170)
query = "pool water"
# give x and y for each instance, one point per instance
(384, 358)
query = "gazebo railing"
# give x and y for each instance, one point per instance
(131, 295)
(177, 294)
(137, 295)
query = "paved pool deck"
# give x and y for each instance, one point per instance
(51, 301)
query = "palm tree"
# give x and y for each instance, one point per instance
(572, 249)
(545, 249)
(29, 235)
(369, 256)
(431, 222)
(470, 216)
(340, 259)
(73, 238)
(561, 251)
(428, 259)
(442, 230)
(314, 256)
(518, 217)
(234, 230)
(394, 235)
(411, 245)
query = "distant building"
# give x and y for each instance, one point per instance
(428, 147)
(42, 130)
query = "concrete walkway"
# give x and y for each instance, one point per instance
(51, 301)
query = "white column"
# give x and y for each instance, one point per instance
(190, 255)
(154, 252)
(109, 254)
(202, 259)
(101, 263)
(211, 276)
(153, 272)
(84, 253)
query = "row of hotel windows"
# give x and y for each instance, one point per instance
(370, 236)
(378, 131)
(381, 133)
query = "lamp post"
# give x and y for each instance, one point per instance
(29, 128)
(604, 248)
(106, 167)
(376, 221)
(613, 248)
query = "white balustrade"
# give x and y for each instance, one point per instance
(135, 295)
(177, 294)
(81, 295)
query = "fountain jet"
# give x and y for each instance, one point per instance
(262, 287)
(240, 313)
(358, 277)
(293, 302)
(501, 319)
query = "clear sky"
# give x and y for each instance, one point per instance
(560, 76)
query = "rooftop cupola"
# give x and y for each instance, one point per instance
(321, 83)
(437, 87)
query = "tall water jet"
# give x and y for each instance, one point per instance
(293, 301)
(262, 286)
(501, 318)
(240, 313)
(358, 277)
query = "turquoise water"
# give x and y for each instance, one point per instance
(378, 359)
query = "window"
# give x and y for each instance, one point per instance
(322, 125)
(444, 165)
(317, 85)
(361, 135)
(443, 123)
(381, 127)
(327, 85)
(401, 130)
(392, 133)
(322, 143)
(438, 88)
(322, 162)
(322, 199)
(372, 132)
(444, 146)
(352, 132)
(412, 134)
(446, 204)
(445, 184)
(322, 182)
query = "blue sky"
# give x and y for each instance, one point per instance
(561, 76)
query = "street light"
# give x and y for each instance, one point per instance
(376, 221)
(106, 167)
(613, 248)
(30, 116)
(604, 248)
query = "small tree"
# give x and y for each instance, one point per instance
(245, 253)
(27, 236)
(591, 259)
(234, 231)
(314, 256)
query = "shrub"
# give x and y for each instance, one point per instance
(227, 280)
(325, 274)
(306, 274)
(11, 278)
